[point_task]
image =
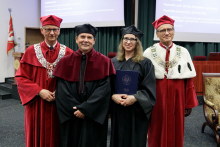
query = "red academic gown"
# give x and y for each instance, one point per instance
(166, 128)
(41, 117)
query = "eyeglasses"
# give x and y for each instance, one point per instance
(169, 30)
(49, 30)
(132, 40)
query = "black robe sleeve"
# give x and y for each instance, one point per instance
(97, 105)
(65, 98)
(146, 94)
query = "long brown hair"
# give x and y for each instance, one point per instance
(138, 52)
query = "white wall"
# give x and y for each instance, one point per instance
(25, 13)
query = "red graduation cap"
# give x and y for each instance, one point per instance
(51, 20)
(163, 20)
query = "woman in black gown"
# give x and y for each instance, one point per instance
(130, 114)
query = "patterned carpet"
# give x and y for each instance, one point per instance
(12, 127)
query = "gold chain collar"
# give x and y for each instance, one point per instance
(166, 64)
(49, 66)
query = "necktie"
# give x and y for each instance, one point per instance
(167, 59)
(51, 47)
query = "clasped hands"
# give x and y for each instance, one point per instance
(124, 99)
(78, 113)
(47, 95)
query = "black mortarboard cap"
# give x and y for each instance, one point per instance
(86, 28)
(132, 30)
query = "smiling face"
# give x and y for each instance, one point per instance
(50, 33)
(129, 42)
(165, 33)
(85, 42)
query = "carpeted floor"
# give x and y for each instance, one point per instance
(11, 123)
(12, 127)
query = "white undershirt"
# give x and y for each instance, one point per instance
(50, 46)
(167, 47)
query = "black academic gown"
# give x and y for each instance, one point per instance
(92, 99)
(130, 124)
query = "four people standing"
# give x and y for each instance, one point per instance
(83, 90)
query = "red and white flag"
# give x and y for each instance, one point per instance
(11, 42)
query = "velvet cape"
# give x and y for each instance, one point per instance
(98, 67)
(130, 123)
(41, 117)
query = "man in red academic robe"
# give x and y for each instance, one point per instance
(175, 92)
(36, 86)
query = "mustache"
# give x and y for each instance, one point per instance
(85, 43)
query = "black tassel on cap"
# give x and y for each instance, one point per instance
(189, 66)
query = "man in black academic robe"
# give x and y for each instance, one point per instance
(83, 93)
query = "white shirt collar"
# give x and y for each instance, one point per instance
(167, 47)
(50, 46)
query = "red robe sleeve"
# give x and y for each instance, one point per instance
(191, 99)
(26, 87)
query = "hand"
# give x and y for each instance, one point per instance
(188, 112)
(47, 95)
(78, 114)
(53, 94)
(130, 100)
(117, 98)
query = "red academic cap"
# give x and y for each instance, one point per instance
(51, 20)
(163, 20)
